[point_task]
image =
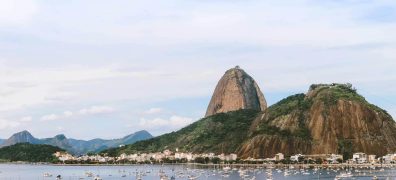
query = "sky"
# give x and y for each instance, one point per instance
(100, 69)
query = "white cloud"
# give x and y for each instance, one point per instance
(153, 111)
(93, 110)
(7, 124)
(258, 22)
(50, 117)
(68, 114)
(139, 53)
(17, 12)
(165, 125)
(26, 119)
(97, 110)
(48, 85)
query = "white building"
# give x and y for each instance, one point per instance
(371, 158)
(187, 156)
(296, 157)
(167, 152)
(279, 157)
(63, 156)
(231, 157)
(334, 158)
(389, 158)
(359, 158)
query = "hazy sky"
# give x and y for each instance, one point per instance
(106, 69)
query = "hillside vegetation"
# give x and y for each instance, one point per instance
(222, 132)
(329, 118)
(29, 153)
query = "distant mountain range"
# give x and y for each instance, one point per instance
(73, 145)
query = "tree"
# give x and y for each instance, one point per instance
(215, 160)
(345, 147)
(300, 159)
(200, 160)
(319, 161)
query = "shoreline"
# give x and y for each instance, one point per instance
(211, 165)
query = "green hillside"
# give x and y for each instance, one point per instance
(222, 132)
(296, 124)
(29, 153)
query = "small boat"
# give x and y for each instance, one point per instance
(226, 168)
(47, 175)
(58, 177)
(89, 174)
(344, 175)
(97, 178)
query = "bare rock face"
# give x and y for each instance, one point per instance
(328, 119)
(236, 90)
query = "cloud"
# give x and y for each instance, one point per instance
(49, 85)
(153, 111)
(97, 110)
(50, 117)
(68, 114)
(26, 119)
(7, 124)
(259, 22)
(143, 54)
(165, 125)
(82, 84)
(93, 110)
(17, 12)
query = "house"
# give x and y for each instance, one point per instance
(231, 157)
(296, 157)
(359, 158)
(187, 156)
(334, 158)
(279, 157)
(167, 152)
(63, 156)
(123, 156)
(372, 159)
(389, 158)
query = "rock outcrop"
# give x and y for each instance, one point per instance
(328, 119)
(236, 90)
(20, 137)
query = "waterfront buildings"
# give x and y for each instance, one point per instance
(359, 158)
(296, 157)
(334, 158)
(169, 156)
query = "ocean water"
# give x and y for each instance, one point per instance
(31, 172)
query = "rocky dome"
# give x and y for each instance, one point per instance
(330, 118)
(236, 90)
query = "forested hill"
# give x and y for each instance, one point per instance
(29, 153)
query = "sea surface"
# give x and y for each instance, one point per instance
(31, 172)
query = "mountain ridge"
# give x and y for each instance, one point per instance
(329, 118)
(76, 146)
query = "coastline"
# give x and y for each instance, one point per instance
(213, 165)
